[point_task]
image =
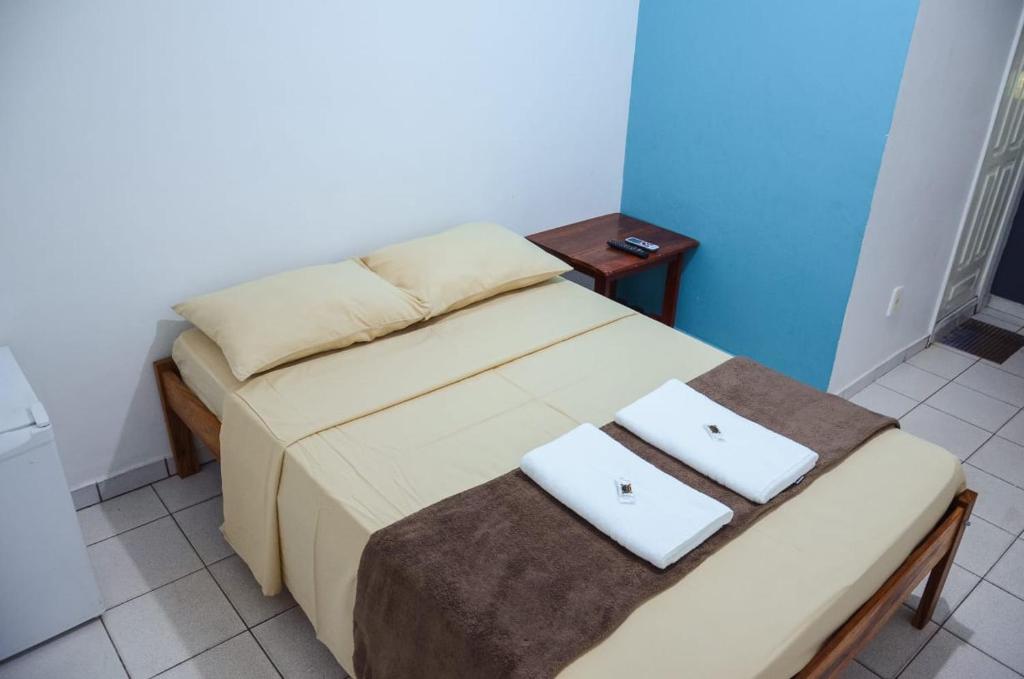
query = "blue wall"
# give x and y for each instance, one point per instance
(758, 128)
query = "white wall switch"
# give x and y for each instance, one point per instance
(895, 301)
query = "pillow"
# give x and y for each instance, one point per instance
(270, 321)
(463, 265)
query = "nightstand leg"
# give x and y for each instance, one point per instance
(604, 286)
(671, 298)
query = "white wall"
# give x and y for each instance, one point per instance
(153, 150)
(951, 83)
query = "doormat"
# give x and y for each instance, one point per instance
(983, 340)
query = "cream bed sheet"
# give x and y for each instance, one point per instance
(777, 592)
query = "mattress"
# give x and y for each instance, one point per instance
(204, 369)
(344, 445)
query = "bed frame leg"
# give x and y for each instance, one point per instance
(937, 577)
(186, 461)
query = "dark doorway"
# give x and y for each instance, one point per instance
(1009, 280)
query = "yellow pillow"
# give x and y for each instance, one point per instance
(463, 265)
(270, 321)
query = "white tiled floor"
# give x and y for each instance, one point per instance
(974, 409)
(181, 604)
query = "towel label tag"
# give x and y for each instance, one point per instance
(714, 432)
(624, 488)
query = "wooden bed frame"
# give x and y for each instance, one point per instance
(186, 415)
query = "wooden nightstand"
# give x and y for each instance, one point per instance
(584, 246)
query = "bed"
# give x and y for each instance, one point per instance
(318, 454)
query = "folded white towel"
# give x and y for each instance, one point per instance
(667, 519)
(755, 462)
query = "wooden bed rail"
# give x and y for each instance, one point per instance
(935, 553)
(185, 415)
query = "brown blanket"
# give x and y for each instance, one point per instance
(502, 580)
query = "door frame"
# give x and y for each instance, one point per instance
(939, 325)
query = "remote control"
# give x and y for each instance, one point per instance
(641, 243)
(629, 247)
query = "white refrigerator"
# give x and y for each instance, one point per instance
(47, 584)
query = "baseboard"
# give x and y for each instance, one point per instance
(121, 483)
(134, 478)
(884, 367)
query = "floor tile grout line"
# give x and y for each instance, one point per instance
(906, 361)
(956, 608)
(974, 359)
(866, 669)
(139, 596)
(127, 530)
(996, 317)
(260, 643)
(132, 490)
(949, 381)
(932, 406)
(264, 651)
(193, 657)
(976, 391)
(1008, 313)
(117, 651)
(980, 650)
(913, 657)
(277, 615)
(170, 582)
(164, 504)
(997, 476)
(188, 539)
(984, 576)
(935, 407)
(910, 411)
(191, 505)
(991, 435)
(994, 525)
(981, 518)
(46, 642)
(999, 366)
(882, 386)
(125, 492)
(915, 398)
(178, 664)
(997, 435)
(977, 360)
(942, 625)
(245, 624)
(987, 311)
(1000, 587)
(206, 567)
(230, 602)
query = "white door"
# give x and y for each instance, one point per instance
(994, 200)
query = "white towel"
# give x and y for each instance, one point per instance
(667, 518)
(755, 462)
